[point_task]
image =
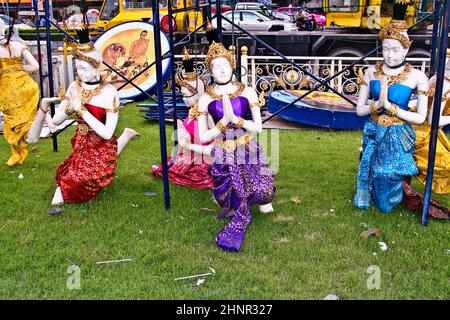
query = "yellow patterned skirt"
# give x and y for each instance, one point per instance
(441, 176)
(19, 98)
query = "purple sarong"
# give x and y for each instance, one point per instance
(240, 178)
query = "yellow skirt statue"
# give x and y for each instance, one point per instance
(441, 176)
(19, 99)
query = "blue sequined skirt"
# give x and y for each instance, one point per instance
(386, 159)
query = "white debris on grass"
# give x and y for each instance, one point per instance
(383, 246)
(113, 261)
(20, 176)
(198, 275)
(200, 282)
(331, 297)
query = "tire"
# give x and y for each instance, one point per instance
(342, 52)
(276, 28)
(346, 52)
(419, 53)
(186, 22)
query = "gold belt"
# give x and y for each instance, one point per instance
(10, 69)
(84, 129)
(386, 120)
(231, 145)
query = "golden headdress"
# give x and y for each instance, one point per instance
(217, 49)
(189, 73)
(84, 46)
(396, 28)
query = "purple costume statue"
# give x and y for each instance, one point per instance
(240, 175)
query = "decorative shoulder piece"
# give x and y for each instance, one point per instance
(360, 81)
(115, 108)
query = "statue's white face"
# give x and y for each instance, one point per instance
(86, 71)
(188, 98)
(393, 52)
(221, 70)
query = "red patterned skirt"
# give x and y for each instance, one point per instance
(189, 170)
(89, 168)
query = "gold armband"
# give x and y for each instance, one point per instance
(422, 92)
(239, 124)
(115, 108)
(255, 104)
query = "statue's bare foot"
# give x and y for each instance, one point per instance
(266, 208)
(131, 133)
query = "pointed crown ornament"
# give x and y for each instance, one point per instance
(396, 28)
(217, 49)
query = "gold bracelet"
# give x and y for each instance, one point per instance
(81, 111)
(373, 108)
(394, 110)
(222, 128)
(239, 124)
(68, 109)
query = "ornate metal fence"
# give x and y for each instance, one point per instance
(268, 73)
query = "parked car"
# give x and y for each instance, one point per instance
(251, 20)
(248, 6)
(18, 23)
(226, 6)
(320, 19)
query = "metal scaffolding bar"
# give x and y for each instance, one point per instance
(443, 45)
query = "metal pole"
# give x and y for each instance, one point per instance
(160, 94)
(50, 65)
(434, 43)
(173, 70)
(219, 19)
(436, 108)
(38, 41)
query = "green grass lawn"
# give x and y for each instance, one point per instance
(302, 251)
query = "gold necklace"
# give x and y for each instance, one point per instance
(237, 93)
(402, 76)
(87, 94)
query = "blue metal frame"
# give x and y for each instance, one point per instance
(441, 37)
(160, 94)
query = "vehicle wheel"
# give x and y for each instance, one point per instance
(186, 23)
(342, 52)
(419, 53)
(276, 28)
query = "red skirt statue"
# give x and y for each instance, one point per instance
(92, 164)
(189, 168)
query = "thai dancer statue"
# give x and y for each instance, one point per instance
(240, 174)
(19, 94)
(190, 165)
(441, 177)
(388, 138)
(92, 163)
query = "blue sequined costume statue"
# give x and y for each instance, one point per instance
(388, 147)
